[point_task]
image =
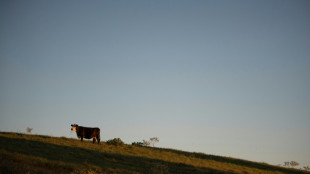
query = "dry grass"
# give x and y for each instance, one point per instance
(21, 153)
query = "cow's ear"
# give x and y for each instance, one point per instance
(72, 125)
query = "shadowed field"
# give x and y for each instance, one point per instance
(21, 153)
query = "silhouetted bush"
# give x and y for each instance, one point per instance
(137, 144)
(154, 140)
(116, 142)
(294, 163)
(146, 143)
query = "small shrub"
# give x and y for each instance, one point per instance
(146, 143)
(306, 168)
(29, 130)
(294, 163)
(154, 140)
(137, 144)
(116, 142)
(286, 164)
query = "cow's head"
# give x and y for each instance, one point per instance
(74, 126)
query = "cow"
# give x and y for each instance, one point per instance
(86, 132)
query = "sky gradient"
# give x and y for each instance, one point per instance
(228, 78)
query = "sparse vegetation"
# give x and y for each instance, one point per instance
(24, 153)
(291, 164)
(294, 163)
(154, 140)
(29, 130)
(306, 168)
(137, 144)
(145, 143)
(286, 164)
(115, 142)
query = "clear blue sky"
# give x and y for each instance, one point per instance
(228, 78)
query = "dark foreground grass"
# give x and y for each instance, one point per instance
(21, 153)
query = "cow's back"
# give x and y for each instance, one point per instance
(90, 132)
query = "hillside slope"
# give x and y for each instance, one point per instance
(22, 153)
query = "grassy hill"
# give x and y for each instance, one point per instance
(22, 153)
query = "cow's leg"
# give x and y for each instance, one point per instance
(98, 139)
(94, 140)
(81, 138)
